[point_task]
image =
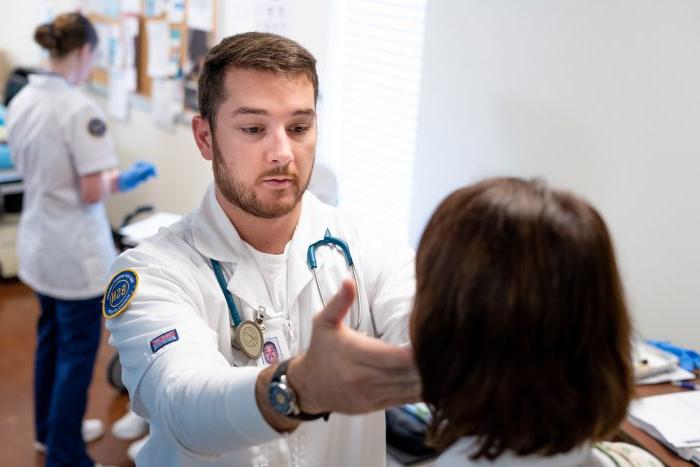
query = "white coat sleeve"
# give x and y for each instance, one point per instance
(186, 386)
(389, 271)
(89, 139)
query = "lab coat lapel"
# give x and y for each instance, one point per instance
(298, 273)
(215, 237)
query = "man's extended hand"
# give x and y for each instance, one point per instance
(347, 372)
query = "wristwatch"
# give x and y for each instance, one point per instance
(283, 398)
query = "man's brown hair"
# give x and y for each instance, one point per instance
(520, 329)
(255, 51)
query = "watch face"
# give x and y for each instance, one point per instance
(280, 398)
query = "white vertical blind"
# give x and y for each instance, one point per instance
(373, 99)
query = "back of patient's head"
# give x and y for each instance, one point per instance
(66, 33)
(520, 328)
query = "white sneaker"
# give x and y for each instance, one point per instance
(135, 447)
(92, 430)
(130, 426)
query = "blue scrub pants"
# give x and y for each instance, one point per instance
(68, 335)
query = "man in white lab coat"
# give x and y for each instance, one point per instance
(191, 309)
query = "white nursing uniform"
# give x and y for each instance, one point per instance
(198, 392)
(56, 135)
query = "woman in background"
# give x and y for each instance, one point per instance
(521, 332)
(60, 144)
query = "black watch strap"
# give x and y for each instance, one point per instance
(277, 377)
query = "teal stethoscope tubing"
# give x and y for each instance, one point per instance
(328, 239)
(229, 298)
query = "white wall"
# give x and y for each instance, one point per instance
(17, 24)
(601, 97)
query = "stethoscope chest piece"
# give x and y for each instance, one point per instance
(248, 338)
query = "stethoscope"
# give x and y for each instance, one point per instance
(247, 335)
(331, 241)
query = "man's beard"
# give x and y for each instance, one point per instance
(244, 197)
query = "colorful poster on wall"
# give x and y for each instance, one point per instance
(158, 33)
(273, 16)
(118, 95)
(200, 15)
(102, 57)
(154, 8)
(166, 102)
(131, 7)
(199, 43)
(175, 11)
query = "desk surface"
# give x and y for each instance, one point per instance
(632, 434)
(10, 176)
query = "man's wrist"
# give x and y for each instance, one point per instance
(275, 419)
(285, 397)
(296, 379)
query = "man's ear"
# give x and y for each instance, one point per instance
(203, 136)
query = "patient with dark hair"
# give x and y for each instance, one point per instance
(520, 330)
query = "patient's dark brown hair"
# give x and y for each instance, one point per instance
(520, 328)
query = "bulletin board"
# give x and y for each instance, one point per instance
(153, 48)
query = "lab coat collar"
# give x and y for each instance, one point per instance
(48, 80)
(458, 455)
(298, 273)
(216, 237)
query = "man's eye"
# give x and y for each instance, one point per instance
(252, 130)
(299, 129)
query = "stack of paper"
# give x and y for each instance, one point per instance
(135, 232)
(653, 365)
(673, 419)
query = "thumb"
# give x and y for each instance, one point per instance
(335, 310)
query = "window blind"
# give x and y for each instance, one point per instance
(377, 58)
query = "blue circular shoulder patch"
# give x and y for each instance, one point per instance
(119, 293)
(97, 127)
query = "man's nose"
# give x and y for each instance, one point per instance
(280, 150)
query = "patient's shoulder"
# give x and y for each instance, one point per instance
(624, 455)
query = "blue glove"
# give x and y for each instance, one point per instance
(687, 359)
(136, 175)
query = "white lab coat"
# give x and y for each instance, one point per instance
(198, 392)
(599, 455)
(64, 246)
